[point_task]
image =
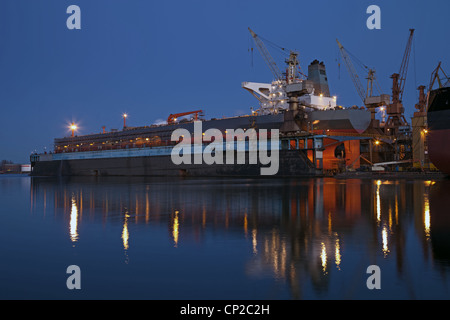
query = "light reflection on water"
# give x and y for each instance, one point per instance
(73, 220)
(311, 239)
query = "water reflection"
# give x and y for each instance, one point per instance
(125, 234)
(296, 230)
(73, 225)
(175, 229)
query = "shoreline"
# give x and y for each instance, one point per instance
(392, 175)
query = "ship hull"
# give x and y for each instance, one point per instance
(439, 154)
(341, 120)
(438, 118)
(89, 156)
(291, 163)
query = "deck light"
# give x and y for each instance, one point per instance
(73, 127)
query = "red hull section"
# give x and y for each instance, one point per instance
(439, 153)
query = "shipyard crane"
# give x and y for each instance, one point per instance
(173, 117)
(266, 55)
(370, 101)
(399, 79)
(395, 110)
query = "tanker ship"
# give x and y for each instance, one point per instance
(438, 117)
(300, 110)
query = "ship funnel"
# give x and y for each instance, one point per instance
(318, 75)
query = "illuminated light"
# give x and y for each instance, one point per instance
(334, 97)
(390, 217)
(396, 209)
(73, 224)
(254, 242)
(245, 225)
(338, 254)
(125, 233)
(147, 139)
(378, 201)
(175, 229)
(426, 217)
(125, 115)
(283, 259)
(384, 236)
(377, 142)
(425, 131)
(323, 257)
(321, 95)
(329, 222)
(73, 127)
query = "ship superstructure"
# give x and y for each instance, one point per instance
(273, 97)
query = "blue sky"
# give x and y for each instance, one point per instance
(153, 58)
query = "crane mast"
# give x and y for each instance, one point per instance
(395, 110)
(399, 79)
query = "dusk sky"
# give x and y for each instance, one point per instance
(152, 58)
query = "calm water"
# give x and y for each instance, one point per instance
(223, 238)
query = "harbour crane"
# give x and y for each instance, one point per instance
(399, 79)
(370, 101)
(395, 110)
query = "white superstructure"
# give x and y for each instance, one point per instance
(273, 98)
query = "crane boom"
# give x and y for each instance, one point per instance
(266, 55)
(352, 72)
(172, 118)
